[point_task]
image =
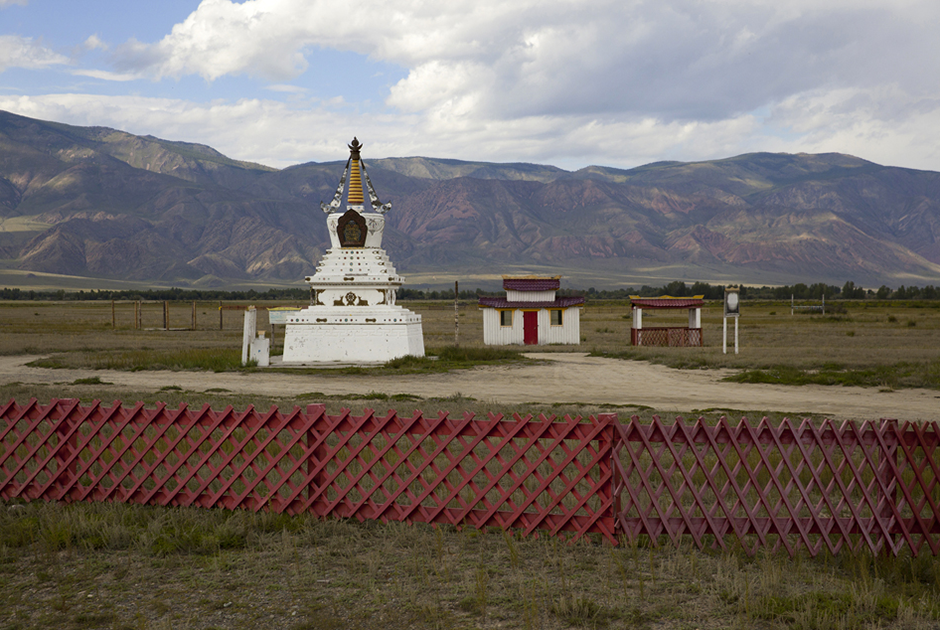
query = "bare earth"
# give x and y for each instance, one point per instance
(564, 378)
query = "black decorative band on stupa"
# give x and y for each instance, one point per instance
(351, 229)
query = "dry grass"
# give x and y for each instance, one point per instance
(117, 566)
(862, 336)
(120, 566)
(867, 333)
(889, 345)
(865, 343)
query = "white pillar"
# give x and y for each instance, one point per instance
(261, 350)
(637, 317)
(695, 318)
(735, 335)
(249, 331)
(724, 335)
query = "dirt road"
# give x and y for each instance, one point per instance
(563, 378)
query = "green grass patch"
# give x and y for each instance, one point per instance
(442, 359)
(229, 359)
(899, 375)
(677, 361)
(92, 380)
(214, 359)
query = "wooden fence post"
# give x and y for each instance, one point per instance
(612, 488)
(194, 315)
(166, 315)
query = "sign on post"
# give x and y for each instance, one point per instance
(733, 310)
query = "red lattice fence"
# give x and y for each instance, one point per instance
(872, 486)
(869, 486)
(523, 473)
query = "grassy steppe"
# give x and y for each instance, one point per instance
(128, 567)
(124, 566)
(876, 344)
(883, 344)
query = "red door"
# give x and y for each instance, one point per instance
(530, 327)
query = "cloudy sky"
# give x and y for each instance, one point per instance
(570, 83)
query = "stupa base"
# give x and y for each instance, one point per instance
(351, 336)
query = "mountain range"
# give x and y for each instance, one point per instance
(103, 204)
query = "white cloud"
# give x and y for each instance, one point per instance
(23, 52)
(287, 89)
(684, 59)
(280, 134)
(106, 76)
(8, 3)
(473, 63)
(616, 82)
(94, 42)
(887, 125)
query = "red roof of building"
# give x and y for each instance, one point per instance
(531, 284)
(668, 302)
(498, 302)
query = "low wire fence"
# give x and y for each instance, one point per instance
(788, 485)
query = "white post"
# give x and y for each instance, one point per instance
(261, 350)
(249, 332)
(724, 335)
(735, 335)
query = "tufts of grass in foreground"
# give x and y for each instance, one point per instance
(896, 376)
(467, 357)
(229, 359)
(903, 374)
(131, 566)
(442, 359)
(214, 359)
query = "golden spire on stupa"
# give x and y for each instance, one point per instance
(355, 181)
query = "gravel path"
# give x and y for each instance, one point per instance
(563, 378)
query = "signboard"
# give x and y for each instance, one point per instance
(279, 315)
(732, 302)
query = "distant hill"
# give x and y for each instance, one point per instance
(102, 203)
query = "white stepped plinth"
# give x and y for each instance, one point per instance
(357, 335)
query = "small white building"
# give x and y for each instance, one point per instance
(530, 313)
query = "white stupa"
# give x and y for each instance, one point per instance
(352, 317)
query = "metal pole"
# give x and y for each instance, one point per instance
(456, 318)
(166, 315)
(220, 314)
(112, 315)
(194, 315)
(136, 314)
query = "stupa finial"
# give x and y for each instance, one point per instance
(354, 148)
(355, 180)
